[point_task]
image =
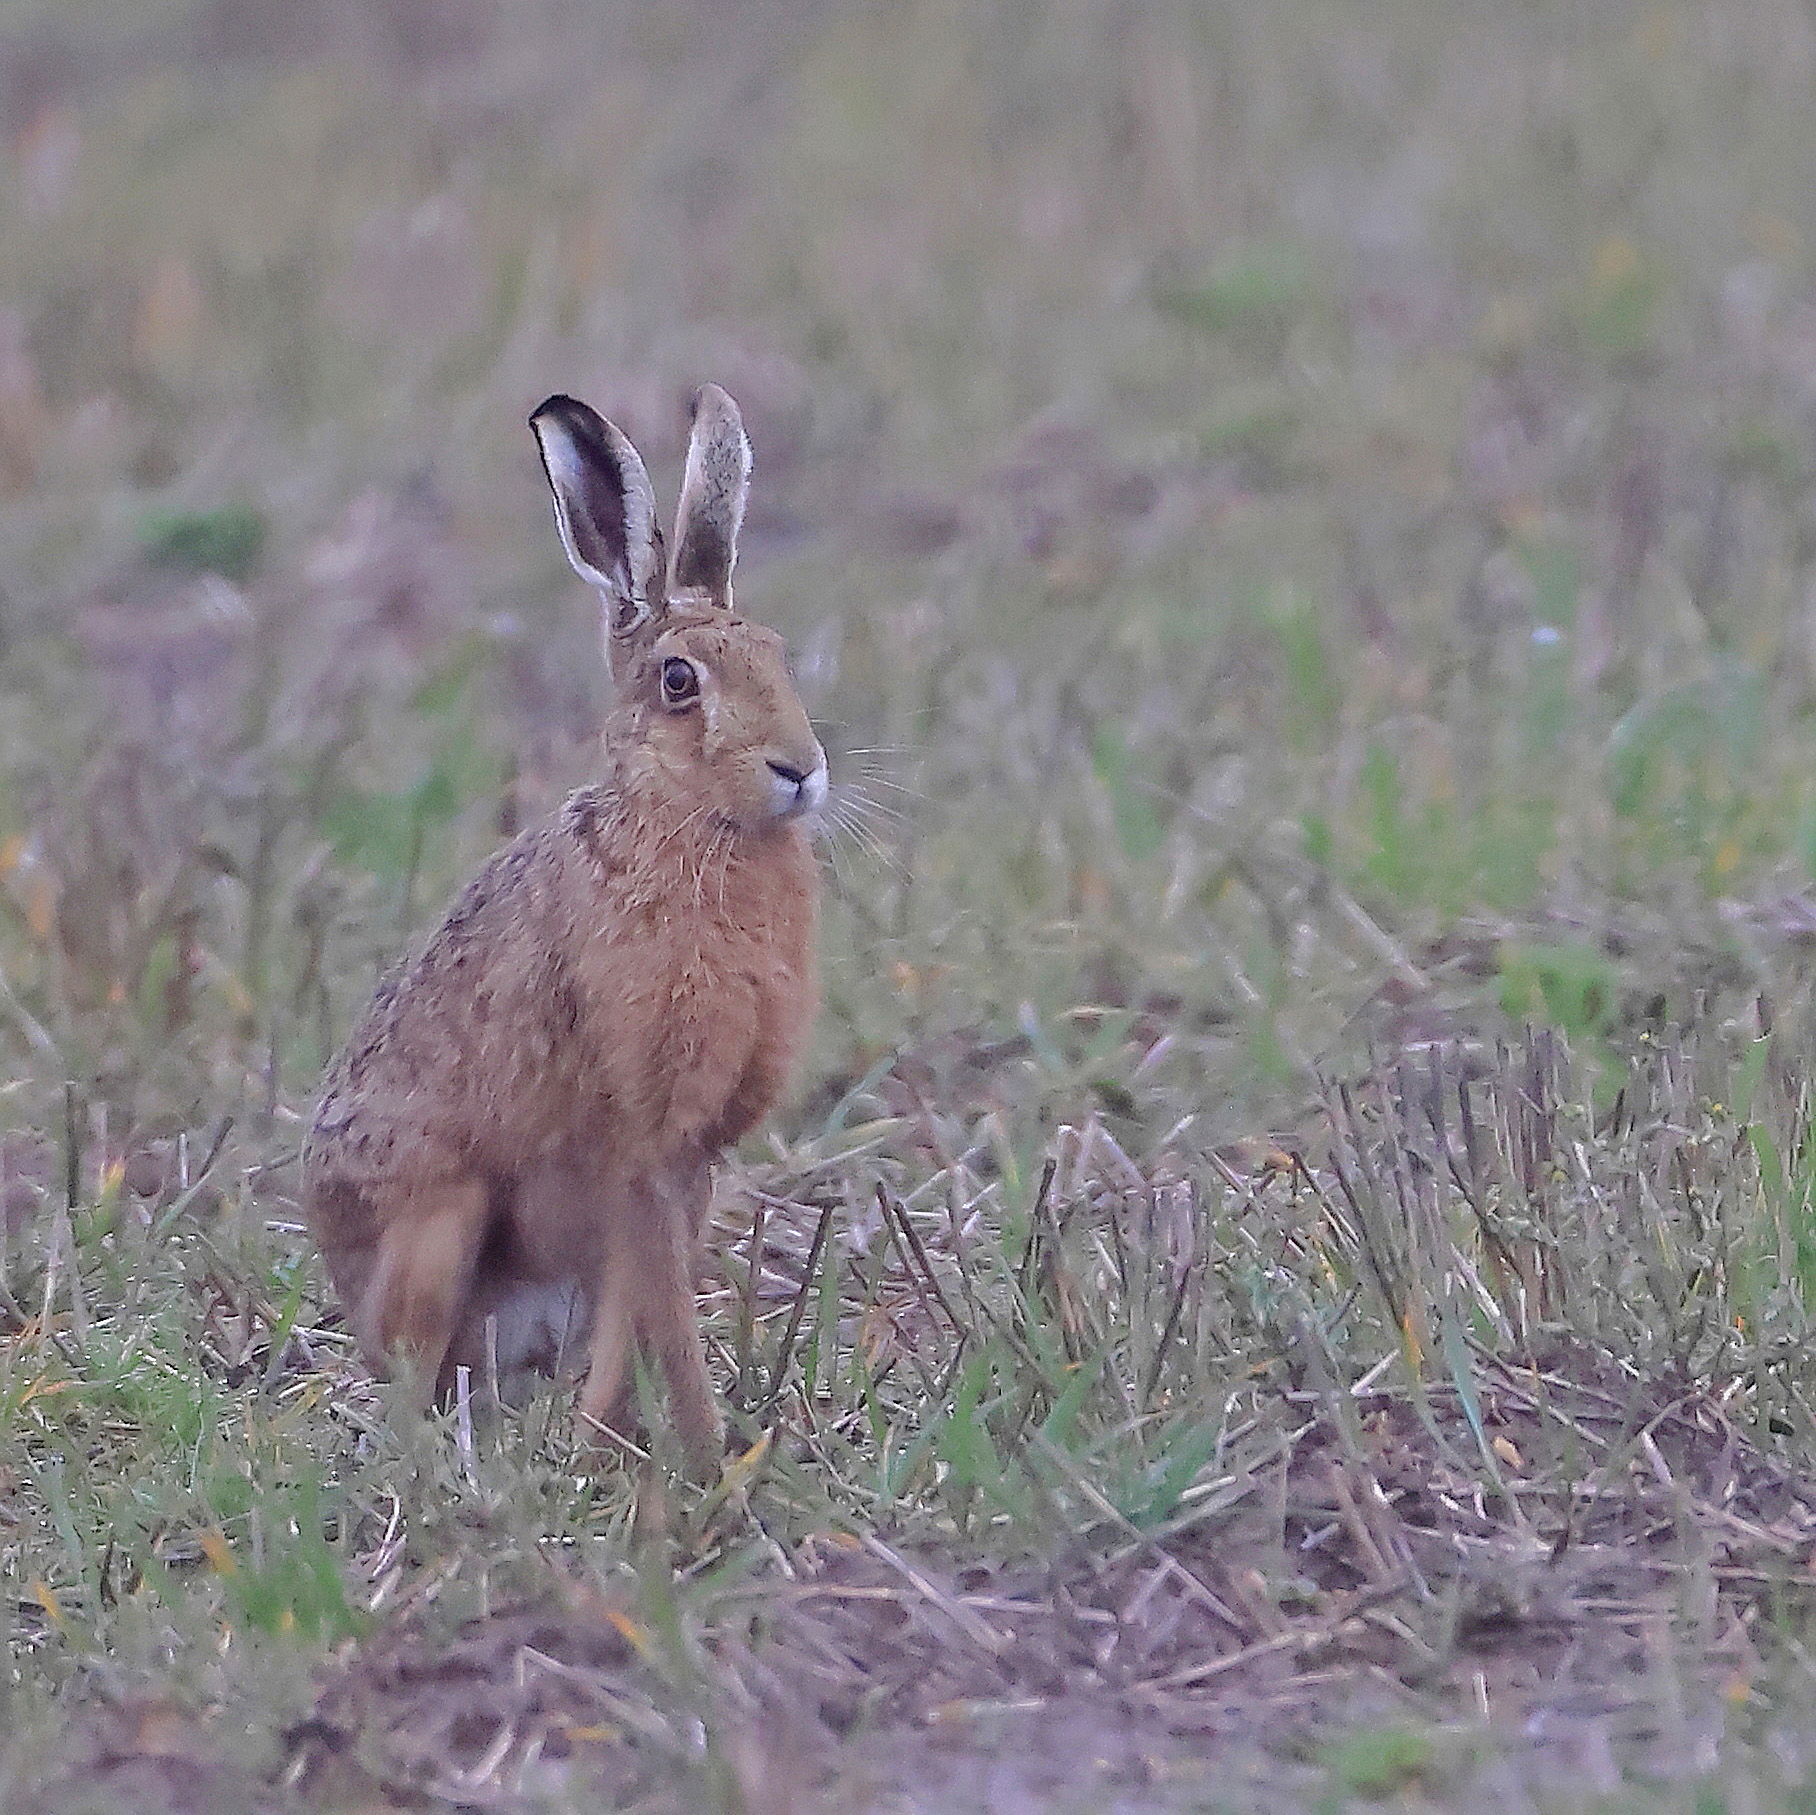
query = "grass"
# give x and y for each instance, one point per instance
(1286, 1280)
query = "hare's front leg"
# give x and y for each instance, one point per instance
(611, 1338)
(426, 1255)
(665, 1227)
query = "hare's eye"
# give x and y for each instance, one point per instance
(680, 682)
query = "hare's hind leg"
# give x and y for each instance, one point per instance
(426, 1256)
(530, 1310)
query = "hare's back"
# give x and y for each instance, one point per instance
(466, 1057)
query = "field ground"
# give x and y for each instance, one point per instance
(1288, 1280)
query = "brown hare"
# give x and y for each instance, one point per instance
(512, 1158)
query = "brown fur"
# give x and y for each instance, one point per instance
(513, 1155)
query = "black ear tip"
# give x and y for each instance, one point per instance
(560, 404)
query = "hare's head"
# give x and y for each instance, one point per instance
(706, 694)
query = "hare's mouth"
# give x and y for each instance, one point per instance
(795, 793)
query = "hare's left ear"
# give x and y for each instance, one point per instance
(605, 509)
(713, 490)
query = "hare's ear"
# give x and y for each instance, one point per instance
(605, 509)
(713, 490)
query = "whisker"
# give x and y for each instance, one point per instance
(887, 860)
(838, 814)
(846, 830)
(681, 825)
(866, 779)
(718, 847)
(867, 809)
(836, 857)
(887, 774)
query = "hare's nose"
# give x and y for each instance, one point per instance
(796, 790)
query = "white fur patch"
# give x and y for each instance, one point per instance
(542, 1327)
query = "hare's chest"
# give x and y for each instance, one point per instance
(732, 1037)
(695, 1037)
(700, 993)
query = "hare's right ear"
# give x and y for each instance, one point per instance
(605, 509)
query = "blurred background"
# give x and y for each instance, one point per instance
(1297, 520)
